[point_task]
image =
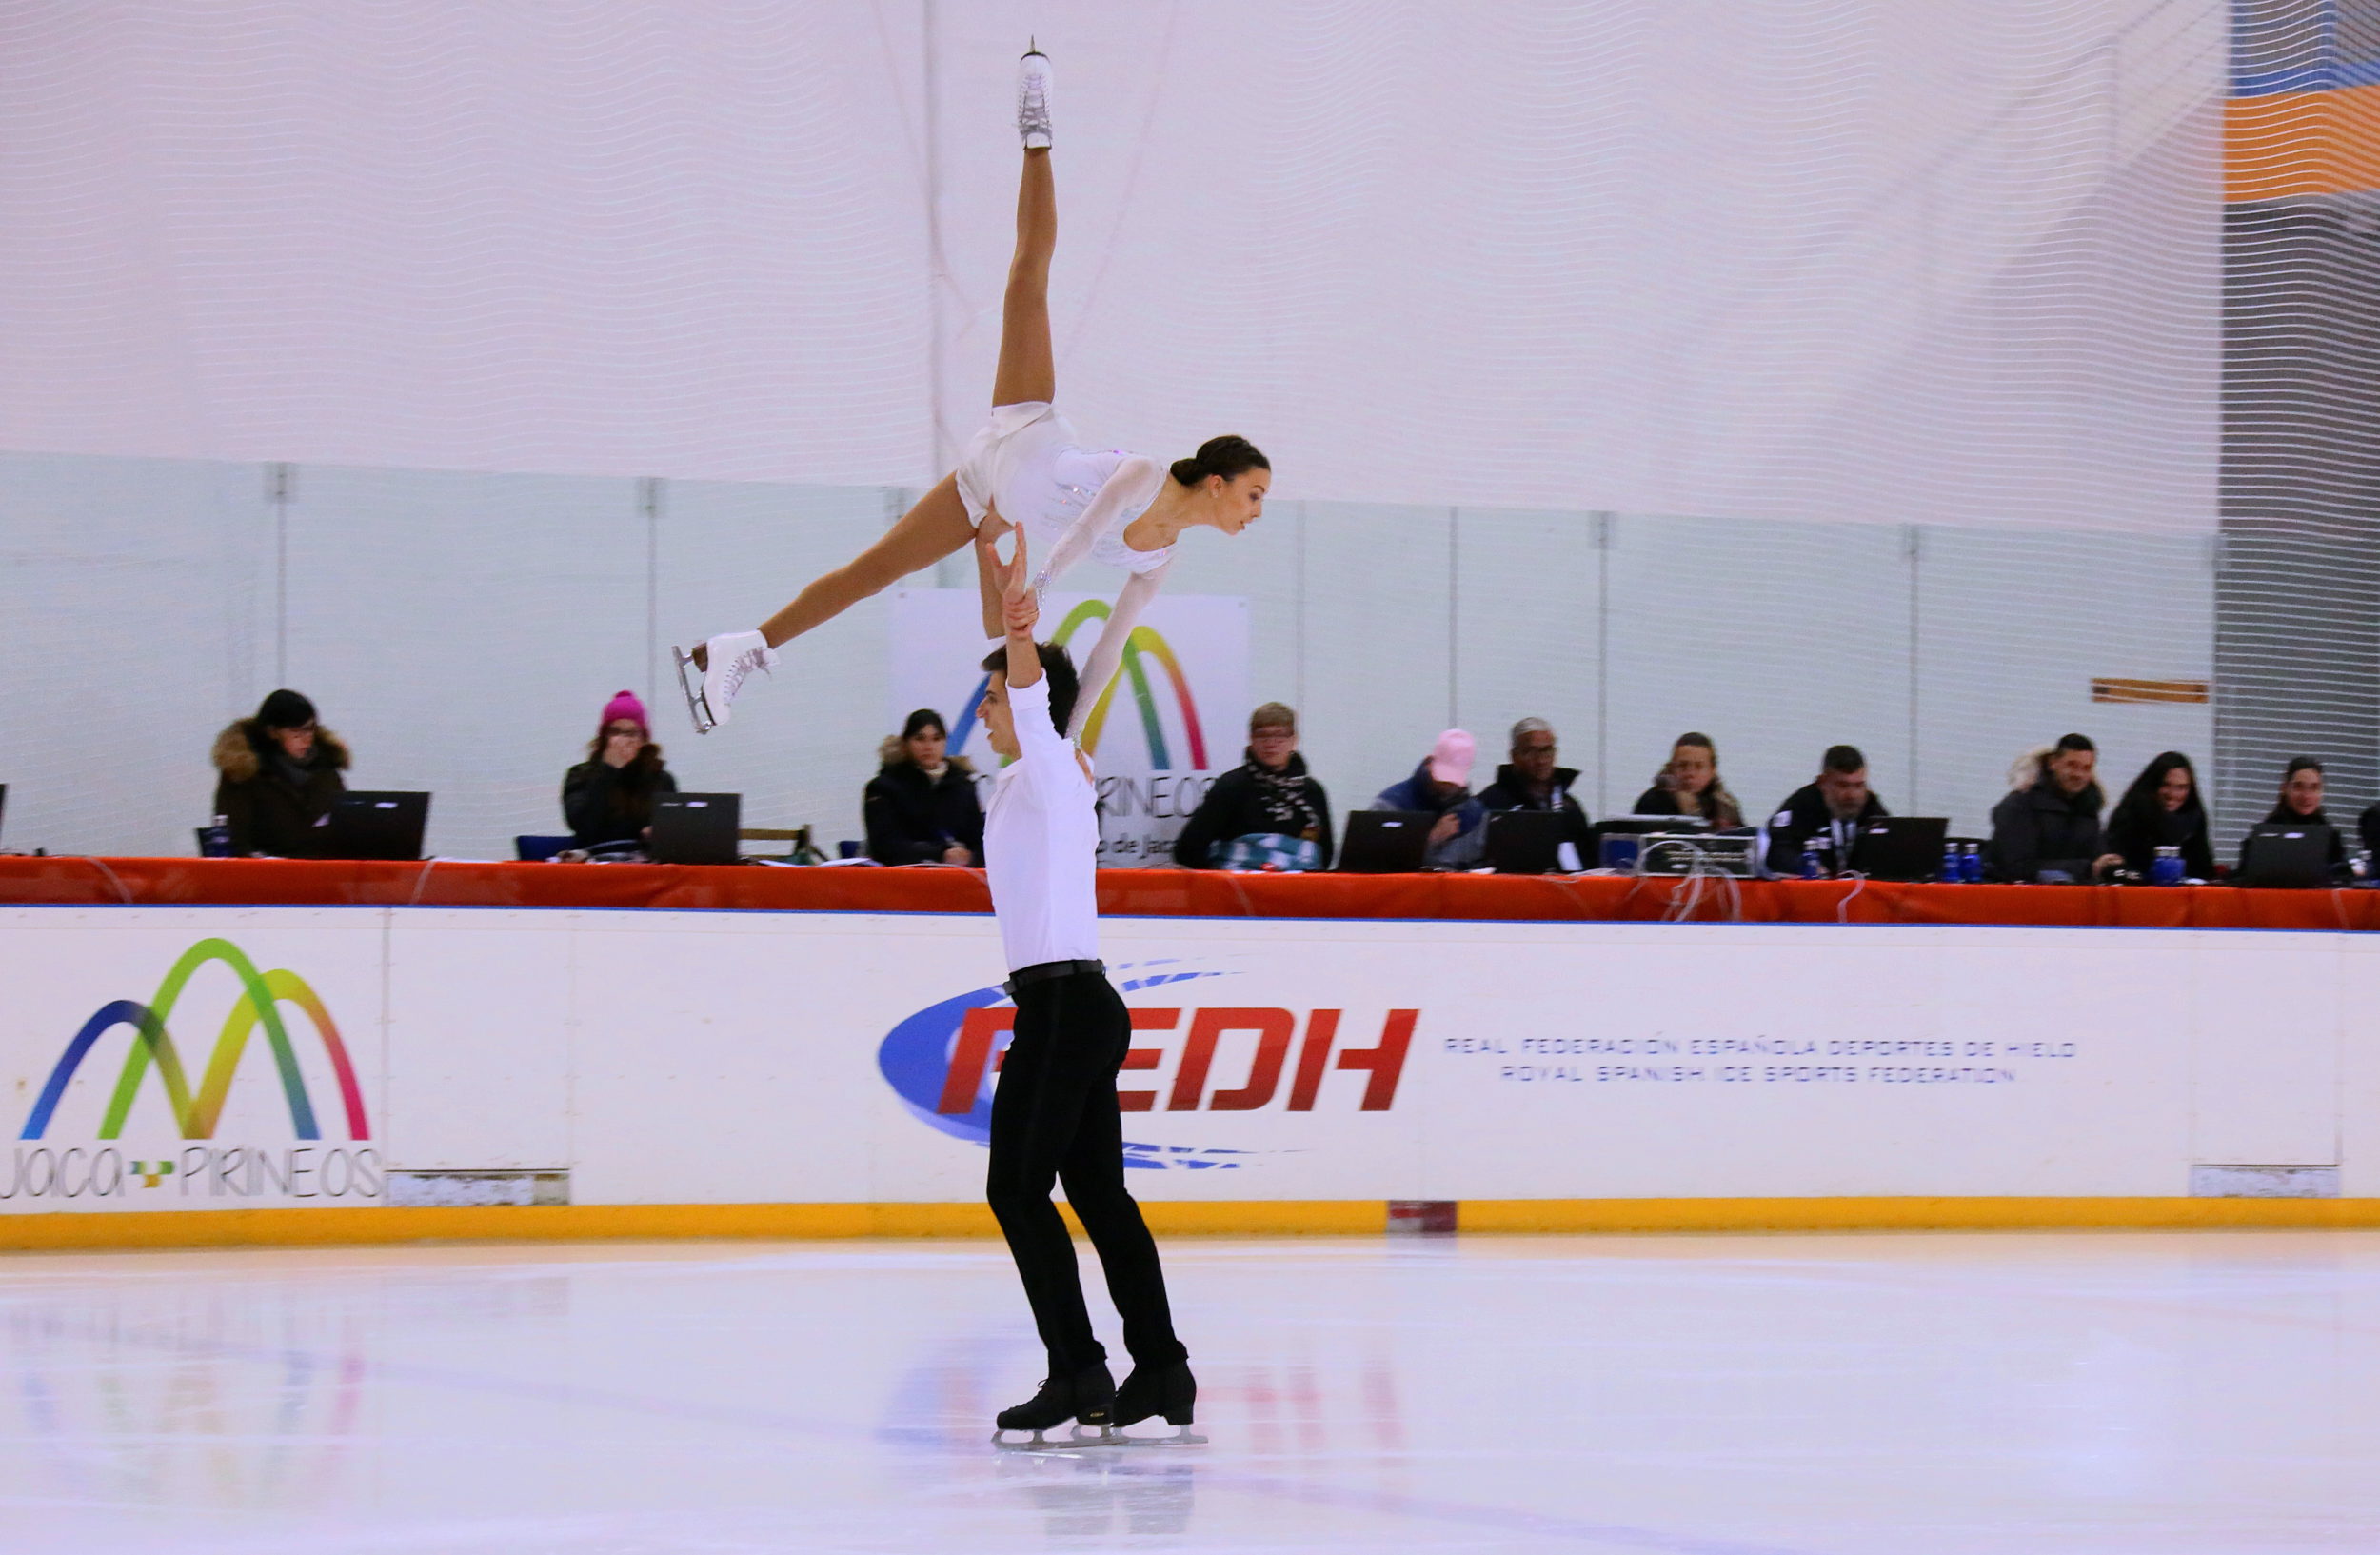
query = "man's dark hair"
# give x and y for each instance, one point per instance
(1844, 758)
(1058, 668)
(2074, 742)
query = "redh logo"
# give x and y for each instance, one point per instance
(941, 1061)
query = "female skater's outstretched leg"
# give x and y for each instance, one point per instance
(938, 526)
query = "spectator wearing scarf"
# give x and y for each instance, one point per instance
(1269, 797)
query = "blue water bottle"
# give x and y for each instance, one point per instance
(214, 842)
(1949, 862)
(1970, 864)
(2168, 868)
(1810, 867)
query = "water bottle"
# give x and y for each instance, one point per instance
(215, 842)
(1970, 864)
(2167, 870)
(1949, 862)
(1810, 867)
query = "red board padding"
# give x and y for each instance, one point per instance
(1159, 892)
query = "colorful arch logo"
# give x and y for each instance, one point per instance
(262, 996)
(1143, 645)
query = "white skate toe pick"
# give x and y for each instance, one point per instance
(1033, 99)
(730, 658)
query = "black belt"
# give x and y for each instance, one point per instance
(1043, 970)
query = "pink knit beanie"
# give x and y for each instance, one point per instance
(626, 706)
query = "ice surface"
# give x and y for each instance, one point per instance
(2079, 1394)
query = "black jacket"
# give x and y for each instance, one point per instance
(2042, 827)
(1803, 814)
(915, 819)
(1662, 800)
(2138, 830)
(271, 810)
(606, 804)
(1510, 791)
(1242, 803)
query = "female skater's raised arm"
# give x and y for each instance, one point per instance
(1137, 590)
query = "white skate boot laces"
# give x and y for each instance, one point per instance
(1033, 90)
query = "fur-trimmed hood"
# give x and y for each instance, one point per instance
(894, 752)
(239, 752)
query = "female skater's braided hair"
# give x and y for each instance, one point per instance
(1229, 457)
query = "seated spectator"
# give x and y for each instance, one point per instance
(920, 806)
(1831, 808)
(1531, 782)
(1441, 786)
(2162, 810)
(2048, 824)
(1691, 785)
(608, 797)
(2300, 805)
(280, 773)
(1266, 809)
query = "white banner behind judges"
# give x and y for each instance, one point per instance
(1174, 717)
(211, 1059)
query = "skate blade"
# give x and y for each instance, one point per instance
(1043, 1442)
(697, 708)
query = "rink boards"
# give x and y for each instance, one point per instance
(496, 1064)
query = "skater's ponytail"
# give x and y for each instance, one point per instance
(1230, 457)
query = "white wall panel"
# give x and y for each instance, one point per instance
(463, 632)
(1775, 640)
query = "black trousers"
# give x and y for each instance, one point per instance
(1054, 1120)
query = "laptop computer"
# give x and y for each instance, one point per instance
(1385, 841)
(1900, 847)
(1526, 842)
(695, 829)
(2290, 857)
(364, 825)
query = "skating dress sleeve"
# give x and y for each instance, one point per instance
(1099, 533)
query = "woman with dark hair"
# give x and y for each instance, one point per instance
(1691, 785)
(2162, 809)
(922, 806)
(1028, 470)
(2048, 824)
(2300, 805)
(608, 797)
(278, 774)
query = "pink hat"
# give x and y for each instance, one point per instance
(1450, 759)
(627, 705)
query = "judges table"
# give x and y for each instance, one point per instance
(1197, 893)
(211, 1052)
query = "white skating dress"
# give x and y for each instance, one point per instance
(1071, 503)
(1029, 462)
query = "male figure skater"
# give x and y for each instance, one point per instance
(1054, 1115)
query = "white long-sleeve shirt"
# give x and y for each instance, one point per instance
(1040, 843)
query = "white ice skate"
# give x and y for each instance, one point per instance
(729, 660)
(1033, 99)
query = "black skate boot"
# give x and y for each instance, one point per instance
(1084, 1397)
(1170, 1391)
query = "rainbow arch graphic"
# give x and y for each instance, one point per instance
(262, 994)
(1144, 644)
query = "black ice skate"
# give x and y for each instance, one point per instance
(1083, 1398)
(1170, 1391)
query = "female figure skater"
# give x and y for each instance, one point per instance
(1117, 507)
(1055, 1116)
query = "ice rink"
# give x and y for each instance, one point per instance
(2083, 1394)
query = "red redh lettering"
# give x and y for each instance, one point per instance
(1145, 1058)
(1271, 1028)
(1386, 1062)
(968, 1055)
(1322, 1026)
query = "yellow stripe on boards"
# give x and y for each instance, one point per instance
(1362, 1217)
